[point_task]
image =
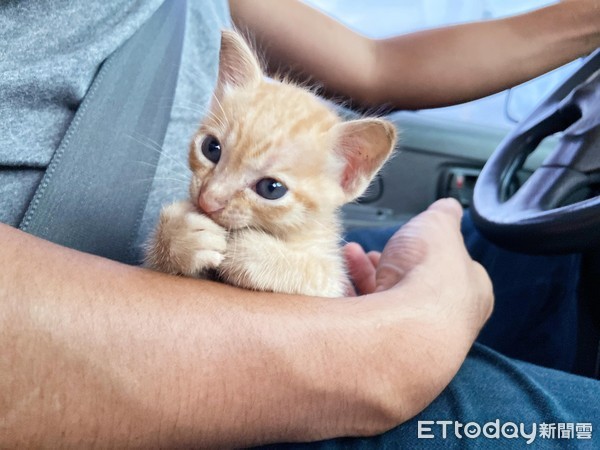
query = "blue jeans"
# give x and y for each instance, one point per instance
(534, 320)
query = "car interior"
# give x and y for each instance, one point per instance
(526, 162)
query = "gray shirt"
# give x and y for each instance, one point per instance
(50, 51)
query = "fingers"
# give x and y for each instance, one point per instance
(427, 260)
(350, 290)
(449, 206)
(360, 267)
(486, 290)
(450, 209)
(432, 230)
(406, 249)
(374, 257)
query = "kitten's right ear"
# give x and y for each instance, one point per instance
(364, 145)
(238, 65)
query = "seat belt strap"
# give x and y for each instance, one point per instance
(94, 192)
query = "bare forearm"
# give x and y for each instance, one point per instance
(426, 69)
(456, 64)
(301, 41)
(95, 352)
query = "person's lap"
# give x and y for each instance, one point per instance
(534, 320)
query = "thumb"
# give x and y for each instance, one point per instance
(409, 246)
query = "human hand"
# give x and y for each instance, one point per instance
(429, 250)
(427, 299)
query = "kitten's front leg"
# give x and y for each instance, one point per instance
(186, 242)
(258, 261)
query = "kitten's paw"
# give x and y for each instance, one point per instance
(186, 242)
(205, 240)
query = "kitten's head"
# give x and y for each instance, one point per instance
(272, 155)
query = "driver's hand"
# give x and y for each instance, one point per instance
(430, 251)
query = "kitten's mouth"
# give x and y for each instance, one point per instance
(224, 217)
(214, 215)
(217, 216)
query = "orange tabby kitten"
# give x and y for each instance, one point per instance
(272, 164)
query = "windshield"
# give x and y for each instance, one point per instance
(384, 18)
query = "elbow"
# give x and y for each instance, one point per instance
(370, 91)
(382, 84)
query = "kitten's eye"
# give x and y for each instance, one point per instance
(270, 189)
(211, 148)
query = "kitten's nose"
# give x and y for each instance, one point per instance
(209, 205)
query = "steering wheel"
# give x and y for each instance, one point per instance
(544, 216)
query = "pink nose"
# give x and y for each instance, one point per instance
(209, 205)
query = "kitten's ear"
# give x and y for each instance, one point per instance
(364, 146)
(238, 65)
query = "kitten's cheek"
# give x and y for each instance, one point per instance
(194, 190)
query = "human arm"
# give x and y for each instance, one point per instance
(99, 353)
(425, 69)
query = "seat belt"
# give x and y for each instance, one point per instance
(94, 192)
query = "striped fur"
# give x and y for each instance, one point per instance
(278, 130)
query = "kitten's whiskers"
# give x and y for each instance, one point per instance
(153, 145)
(140, 180)
(204, 113)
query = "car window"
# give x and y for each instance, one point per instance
(383, 18)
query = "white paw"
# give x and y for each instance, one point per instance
(205, 239)
(187, 242)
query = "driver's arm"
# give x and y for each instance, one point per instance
(425, 69)
(96, 353)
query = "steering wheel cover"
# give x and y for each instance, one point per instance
(533, 220)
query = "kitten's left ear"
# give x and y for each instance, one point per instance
(238, 65)
(364, 146)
